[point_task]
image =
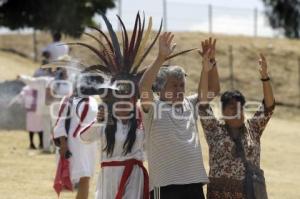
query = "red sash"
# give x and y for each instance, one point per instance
(127, 172)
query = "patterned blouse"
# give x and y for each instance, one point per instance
(227, 170)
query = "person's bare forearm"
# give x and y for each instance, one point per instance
(63, 141)
(214, 82)
(145, 86)
(203, 84)
(268, 93)
(149, 76)
(211, 72)
(203, 87)
(267, 88)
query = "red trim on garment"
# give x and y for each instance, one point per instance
(126, 174)
(86, 128)
(61, 109)
(82, 117)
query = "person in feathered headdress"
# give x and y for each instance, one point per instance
(119, 125)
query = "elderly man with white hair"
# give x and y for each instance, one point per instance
(174, 153)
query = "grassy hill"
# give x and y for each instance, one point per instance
(283, 56)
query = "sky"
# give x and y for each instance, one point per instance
(228, 16)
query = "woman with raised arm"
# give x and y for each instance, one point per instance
(174, 154)
(234, 143)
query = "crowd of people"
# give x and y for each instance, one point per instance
(155, 121)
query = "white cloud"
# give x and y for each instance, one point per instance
(235, 25)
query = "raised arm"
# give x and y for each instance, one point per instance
(28, 80)
(203, 84)
(262, 116)
(145, 86)
(267, 88)
(213, 76)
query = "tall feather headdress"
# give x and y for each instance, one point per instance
(123, 61)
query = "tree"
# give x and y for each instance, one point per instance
(65, 16)
(284, 14)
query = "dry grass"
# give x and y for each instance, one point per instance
(25, 173)
(282, 54)
(29, 175)
(12, 65)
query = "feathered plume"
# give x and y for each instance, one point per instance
(122, 60)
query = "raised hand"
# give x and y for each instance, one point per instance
(101, 114)
(166, 47)
(209, 44)
(263, 66)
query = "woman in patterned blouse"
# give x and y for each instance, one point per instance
(229, 138)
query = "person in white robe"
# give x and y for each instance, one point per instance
(41, 85)
(123, 175)
(28, 98)
(74, 115)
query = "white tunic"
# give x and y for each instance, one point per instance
(40, 84)
(33, 120)
(109, 177)
(82, 161)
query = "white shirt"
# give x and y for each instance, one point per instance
(173, 145)
(56, 50)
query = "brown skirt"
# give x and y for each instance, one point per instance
(225, 188)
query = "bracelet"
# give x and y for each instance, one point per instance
(213, 62)
(265, 79)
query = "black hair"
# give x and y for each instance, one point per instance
(110, 132)
(56, 36)
(228, 96)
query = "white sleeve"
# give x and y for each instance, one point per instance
(89, 130)
(59, 129)
(32, 80)
(27, 79)
(93, 133)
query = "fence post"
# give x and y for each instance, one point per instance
(299, 80)
(255, 21)
(210, 20)
(231, 74)
(34, 45)
(165, 15)
(119, 13)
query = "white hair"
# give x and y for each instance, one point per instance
(164, 73)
